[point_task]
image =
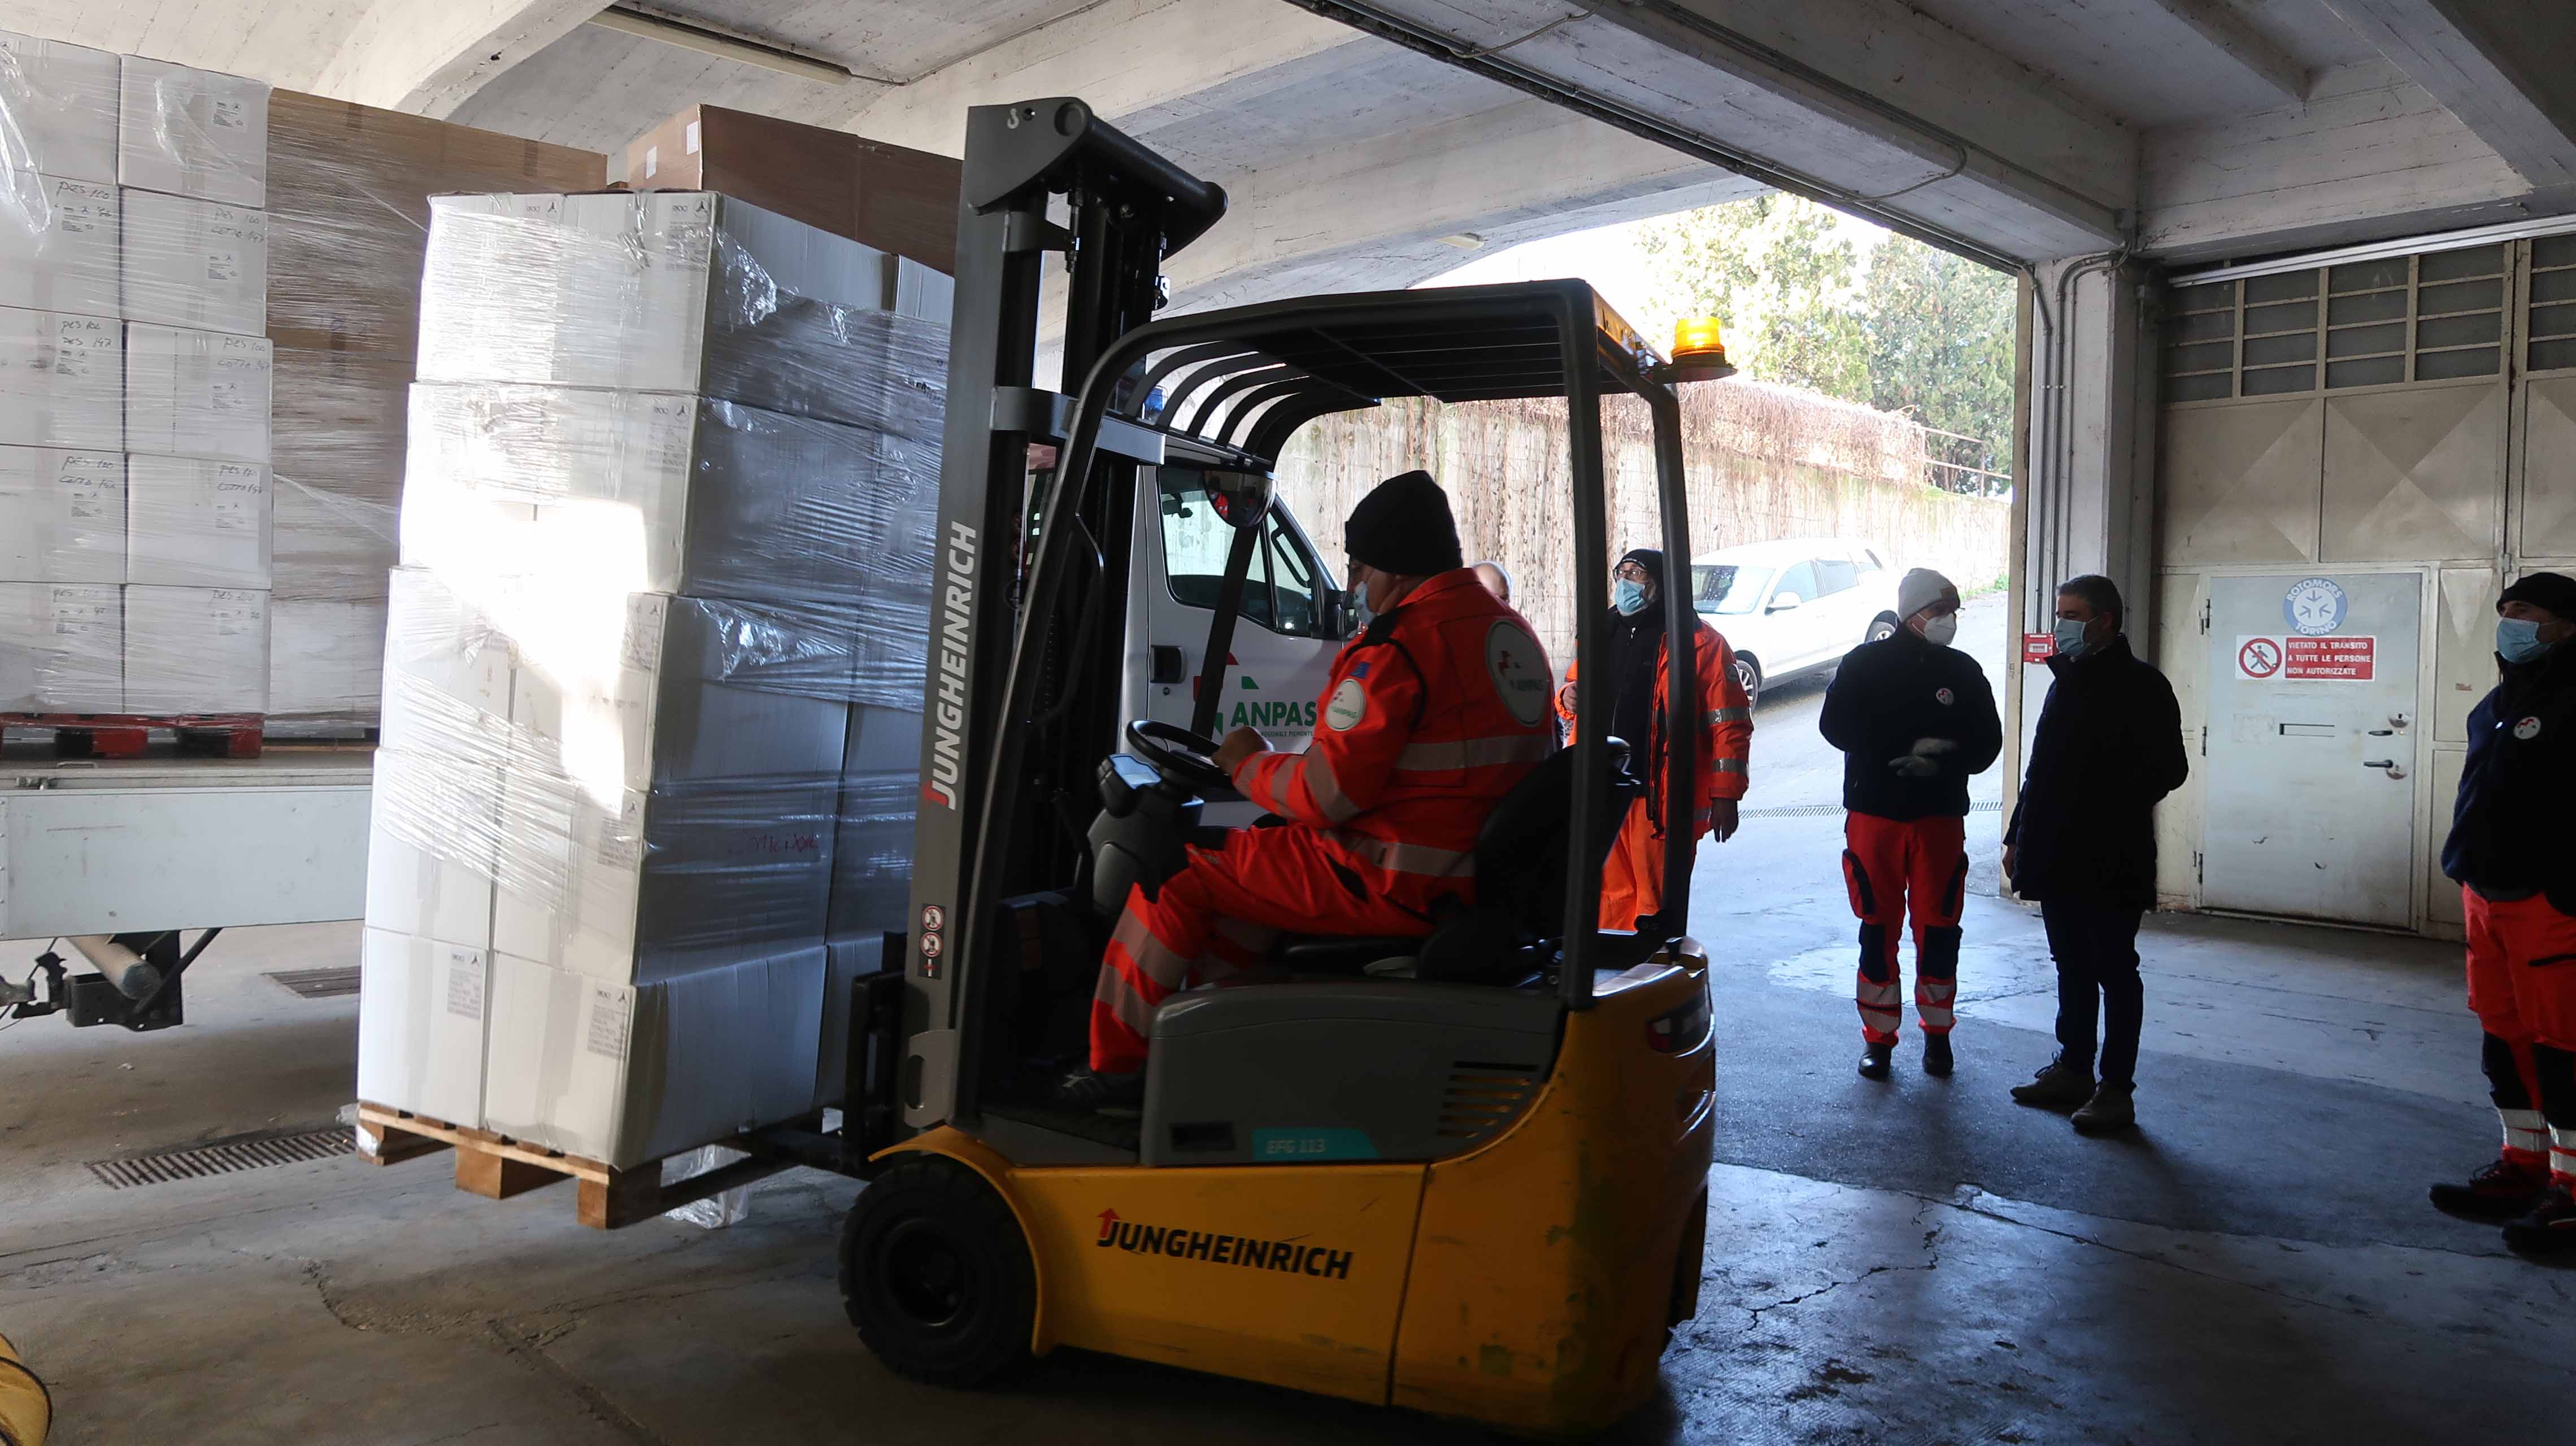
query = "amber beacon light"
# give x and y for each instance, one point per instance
(1699, 352)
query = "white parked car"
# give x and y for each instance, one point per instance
(1794, 607)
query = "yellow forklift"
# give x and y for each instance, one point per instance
(1464, 1173)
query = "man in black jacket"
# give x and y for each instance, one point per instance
(2083, 843)
(2511, 852)
(1914, 720)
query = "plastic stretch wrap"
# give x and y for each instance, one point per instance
(195, 650)
(652, 785)
(650, 491)
(195, 393)
(57, 108)
(326, 663)
(62, 515)
(62, 380)
(196, 522)
(61, 648)
(188, 132)
(683, 291)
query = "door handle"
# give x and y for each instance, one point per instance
(2383, 732)
(2379, 763)
(1169, 666)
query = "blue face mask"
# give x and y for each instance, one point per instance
(1628, 597)
(2518, 640)
(2070, 638)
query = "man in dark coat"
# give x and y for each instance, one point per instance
(2511, 854)
(2083, 843)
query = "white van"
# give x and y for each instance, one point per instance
(1794, 607)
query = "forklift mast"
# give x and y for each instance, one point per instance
(1127, 210)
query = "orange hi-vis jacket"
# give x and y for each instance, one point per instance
(1432, 714)
(1725, 727)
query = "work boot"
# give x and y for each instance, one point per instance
(2057, 1086)
(2113, 1107)
(1936, 1054)
(1873, 1063)
(2549, 1228)
(2501, 1190)
(1095, 1090)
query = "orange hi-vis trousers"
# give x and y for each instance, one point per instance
(1899, 871)
(1221, 913)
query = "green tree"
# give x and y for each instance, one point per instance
(1925, 332)
(1774, 267)
(1938, 333)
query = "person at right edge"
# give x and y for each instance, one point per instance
(2511, 852)
(1915, 720)
(2082, 842)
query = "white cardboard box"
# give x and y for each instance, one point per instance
(195, 263)
(629, 1073)
(432, 846)
(680, 291)
(192, 132)
(62, 380)
(447, 673)
(61, 101)
(641, 886)
(421, 1024)
(191, 393)
(326, 665)
(196, 650)
(58, 243)
(61, 648)
(194, 522)
(62, 515)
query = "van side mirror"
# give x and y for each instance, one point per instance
(1781, 602)
(1340, 613)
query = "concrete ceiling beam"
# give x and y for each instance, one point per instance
(1122, 57)
(2506, 68)
(1374, 215)
(2223, 28)
(430, 58)
(1866, 104)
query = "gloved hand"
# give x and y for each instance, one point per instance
(1913, 765)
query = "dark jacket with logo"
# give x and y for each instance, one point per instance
(1890, 693)
(2109, 747)
(2509, 827)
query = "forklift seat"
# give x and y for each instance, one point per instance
(1521, 864)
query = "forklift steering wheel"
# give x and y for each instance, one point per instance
(1182, 758)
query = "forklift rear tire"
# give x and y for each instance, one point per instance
(936, 1275)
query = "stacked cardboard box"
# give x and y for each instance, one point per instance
(348, 195)
(666, 553)
(885, 196)
(134, 386)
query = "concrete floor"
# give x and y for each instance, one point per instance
(1918, 1260)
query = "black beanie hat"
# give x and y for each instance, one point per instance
(1651, 559)
(1403, 526)
(2551, 592)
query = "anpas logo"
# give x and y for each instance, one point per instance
(948, 711)
(1315, 1260)
(1518, 669)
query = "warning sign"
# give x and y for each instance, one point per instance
(2307, 659)
(2038, 647)
(2330, 659)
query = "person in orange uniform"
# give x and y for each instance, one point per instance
(1432, 713)
(1632, 879)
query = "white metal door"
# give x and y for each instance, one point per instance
(2311, 755)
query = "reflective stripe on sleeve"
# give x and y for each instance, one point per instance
(1326, 789)
(1727, 715)
(1728, 765)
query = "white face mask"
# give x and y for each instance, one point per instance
(1939, 631)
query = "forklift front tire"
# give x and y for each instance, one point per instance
(936, 1275)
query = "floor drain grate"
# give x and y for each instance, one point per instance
(319, 983)
(1821, 810)
(223, 1157)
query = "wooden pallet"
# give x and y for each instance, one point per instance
(127, 735)
(497, 1167)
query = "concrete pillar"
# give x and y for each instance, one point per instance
(2084, 497)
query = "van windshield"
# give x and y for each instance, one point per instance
(1724, 587)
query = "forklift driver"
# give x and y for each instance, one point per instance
(1431, 714)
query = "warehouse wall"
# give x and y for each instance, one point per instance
(1764, 462)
